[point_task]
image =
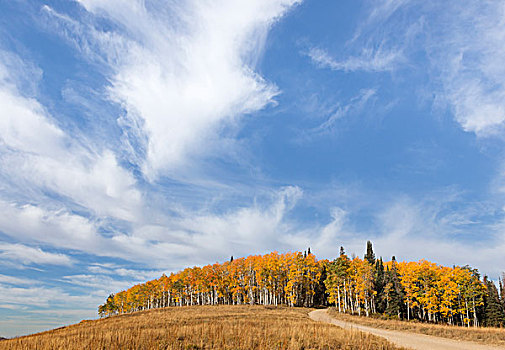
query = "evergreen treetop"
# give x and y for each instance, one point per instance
(370, 255)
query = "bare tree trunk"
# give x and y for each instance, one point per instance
(338, 296)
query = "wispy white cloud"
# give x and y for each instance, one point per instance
(251, 229)
(380, 11)
(463, 44)
(58, 228)
(38, 155)
(100, 284)
(16, 72)
(191, 238)
(355, 105)
(4, 279)
(333, 113)
(38, 296)
(370, 60)
(467, 52)
(183, 73)
(369, 50)
(29, 255)
(118, 271)
(64, 230)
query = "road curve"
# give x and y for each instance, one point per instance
(405, 339)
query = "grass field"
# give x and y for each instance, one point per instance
(202, 327)
(495, 336)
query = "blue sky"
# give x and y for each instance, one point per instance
(141, 137)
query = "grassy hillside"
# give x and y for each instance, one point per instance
(486, 335)
(202, 327)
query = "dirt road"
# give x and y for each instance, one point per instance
(405, 339)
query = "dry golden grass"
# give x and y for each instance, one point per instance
(485, 335)
(202, 327)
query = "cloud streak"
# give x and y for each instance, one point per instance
(370, 60)
(38, 155)
(469, 54)
(28, 255)
(182, 74)
(463, 44)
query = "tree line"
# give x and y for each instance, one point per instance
(419, 290)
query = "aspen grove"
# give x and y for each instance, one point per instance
(419, 290)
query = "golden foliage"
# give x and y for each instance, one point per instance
(273, 279)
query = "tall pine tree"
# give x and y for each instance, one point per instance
(378, 287)
(342, 251)
(369, 256)
(320, 295)
(494, 316)
(394, 292)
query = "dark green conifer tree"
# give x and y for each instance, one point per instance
(320, 296)
(394, 292)
(378, 286)
(370, 255)
(494, 315)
